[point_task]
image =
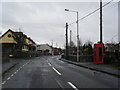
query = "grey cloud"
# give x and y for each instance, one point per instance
(45, 21)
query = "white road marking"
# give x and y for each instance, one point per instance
(49, 64)
(72, 85)
(14, 72)
(56, 71)
(8, 78)
(12, 75)
(4, 82)
(17, 70)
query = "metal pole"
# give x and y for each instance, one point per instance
(70, 42)
(77, 39)
(52, 48)
(70, 37)
(100, 21)
(66, 40)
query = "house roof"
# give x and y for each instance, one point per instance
(9, 30)
(18, 34)
(31, 40)
(44, 44)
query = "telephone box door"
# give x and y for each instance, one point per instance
(98, 53)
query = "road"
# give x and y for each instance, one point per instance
(50, 72)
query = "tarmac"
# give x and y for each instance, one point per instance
(97, 67)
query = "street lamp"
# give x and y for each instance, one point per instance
(77, 33)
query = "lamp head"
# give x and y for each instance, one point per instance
(66, 9)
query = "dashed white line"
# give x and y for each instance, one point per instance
(49, 64)
(56, 71)
(17, 70)
(12, 75)
(73, 86)
(14, 72)
(4, 82)
(8, 78)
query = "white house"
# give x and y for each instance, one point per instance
(45, 48)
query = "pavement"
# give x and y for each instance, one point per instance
(7, 66)
(97, 67)
(51, 73)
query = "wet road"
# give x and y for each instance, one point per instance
(50, 72)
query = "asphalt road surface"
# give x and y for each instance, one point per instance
(50, 72)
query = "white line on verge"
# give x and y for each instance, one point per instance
(72, 85)
(14, 72)
(8, 78)
(17, 70)
(12, 75)
(4, 82)
(56, 71)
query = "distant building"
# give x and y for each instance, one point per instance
(57, 51)
(45, 49)
(16, 41)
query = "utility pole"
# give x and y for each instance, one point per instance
(77, 33)
(70, 37)
(52, 48)
(56, 44)
(101, 21)
(66, 40)
(70, 42)
(52, 43)
(19, 29)
(77, 39)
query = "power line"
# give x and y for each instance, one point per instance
(91, 13)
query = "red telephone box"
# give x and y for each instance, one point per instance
(98, 53)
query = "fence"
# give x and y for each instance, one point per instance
(83, 58)
(26, 54)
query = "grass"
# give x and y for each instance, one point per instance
(116, 67)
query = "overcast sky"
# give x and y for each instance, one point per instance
(45, 21)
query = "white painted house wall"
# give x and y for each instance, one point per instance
(44, 47)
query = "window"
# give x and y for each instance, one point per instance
(9, 35)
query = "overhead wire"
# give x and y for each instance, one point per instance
(90, 13)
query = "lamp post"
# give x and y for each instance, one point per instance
(77, 33)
